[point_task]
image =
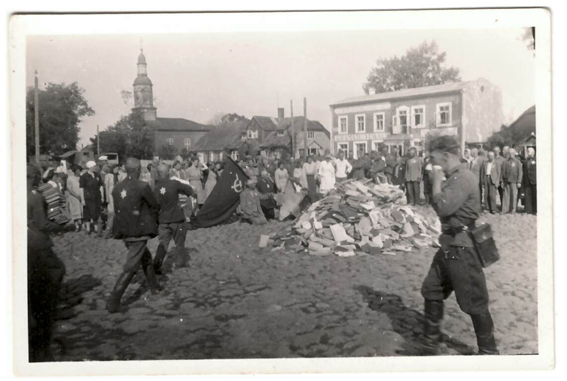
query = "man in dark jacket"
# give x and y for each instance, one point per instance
(377, 169)
(491, 178)
(171, 217)
(135, 223)
(45, 271)
(530, 182)
(512, 178)
(391, 162)
(266, 188)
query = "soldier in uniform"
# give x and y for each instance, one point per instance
(45, 270)
(135, 222)
(171, 217)
(456, 266)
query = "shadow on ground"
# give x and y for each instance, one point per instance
(405, 321)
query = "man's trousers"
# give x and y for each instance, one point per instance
(510, 199)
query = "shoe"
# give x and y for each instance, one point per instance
(484, 330)
(113, 303)
(158, 260)
(155, 287)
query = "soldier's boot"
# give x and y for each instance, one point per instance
(158, 260)
(155, 288)
(113, 303)
(181, 257)
(433, 311)
(484, 329)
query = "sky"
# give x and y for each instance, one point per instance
(199, 75)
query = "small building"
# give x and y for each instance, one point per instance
(219, 142)
(178, 132)
(275, 134)
(471, 111)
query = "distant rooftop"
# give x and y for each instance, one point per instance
(177, 124)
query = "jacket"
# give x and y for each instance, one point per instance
(167, 193)
(136, 210)
(495, 174)
(512, 171)
(530, 171)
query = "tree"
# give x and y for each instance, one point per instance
(419, 67)
(228, 120)
(128, 137)
(61, 109)
(167, 152)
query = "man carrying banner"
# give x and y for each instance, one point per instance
(171, 217)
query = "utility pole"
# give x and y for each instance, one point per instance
(36, 109)
(305, 128)
(97, 141)
(292, 131)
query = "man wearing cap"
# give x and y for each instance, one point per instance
(456, 266)
(250, 206)
(91, 197)
(135, 223)
(171, 217)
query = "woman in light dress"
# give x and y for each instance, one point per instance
(74, 197)
(194, 176)
(299, 174)
(326, 173)
(281, 177)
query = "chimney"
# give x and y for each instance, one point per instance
(281, 113)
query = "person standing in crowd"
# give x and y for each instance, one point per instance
(351, 161)
(391, 163)
(153, 170)
(90, 184)
(266, 187)
(310, 171)
(476, 166)
(427, 190)
(326, 174)
(490, 176)
(281, 177)
(377, 169)
(135, 223)
(399, 176)
(74, 197)
(268, 165)
(413, 177)
(212, 179)
(499, 160)
(250, 169)
(474, 155)
(466, 159)
(512, 180)
(343, 168)
(194, 177)
(121, 173)
(250, 206)
(110, 180)
(175, 170)
(530, 182)
(360, 166)
(171, 218)
(45, 271)
(456, 266)
(299, 174)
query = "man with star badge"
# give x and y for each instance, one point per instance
(135, 222)
(171, 217)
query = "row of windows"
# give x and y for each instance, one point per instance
(186, 142)
(359, 148)
(250, 134)
(401, 121)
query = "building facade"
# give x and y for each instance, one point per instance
(180, 133)
(471, 111)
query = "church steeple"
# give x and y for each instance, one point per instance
(143, 93)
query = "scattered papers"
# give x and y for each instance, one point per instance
(264, 240)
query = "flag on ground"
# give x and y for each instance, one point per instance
(224, 199)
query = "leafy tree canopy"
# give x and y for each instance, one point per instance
(419, 67)
(167, 152)
(61, 109)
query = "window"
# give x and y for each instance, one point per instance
(399, 146)
(359, 149)
(403, 120)
(187, 143)
(343, 147)
(281, 133)
(212, 156)
(169, 141)
(221, 156)
(313, 151)
(252, 134)
(418, 116)
(379, 118)
(310, 134)
(343, 125)
(360, 123)
(444, 114)
(376, 145)
(234, 155)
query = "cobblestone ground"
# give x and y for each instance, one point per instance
(240, 301)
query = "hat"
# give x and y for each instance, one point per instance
(90, 164)
(103, 158)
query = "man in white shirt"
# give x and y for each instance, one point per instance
(343, 167)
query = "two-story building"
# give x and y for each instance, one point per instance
(275, 134)
(471, 111)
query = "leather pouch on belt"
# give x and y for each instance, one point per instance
(482, 237)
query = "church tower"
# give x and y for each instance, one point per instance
(143, 93)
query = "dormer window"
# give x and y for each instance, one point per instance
(281, 133)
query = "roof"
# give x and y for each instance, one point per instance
(275, 124)
(142, 58)
(67, 154)
(526, 123)
(273, 140)
(445, 88)
(177, 124)
(219, 138)
(142, 80)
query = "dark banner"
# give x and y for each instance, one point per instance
(224, 199)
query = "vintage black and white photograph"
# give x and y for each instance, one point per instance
(284, 186)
